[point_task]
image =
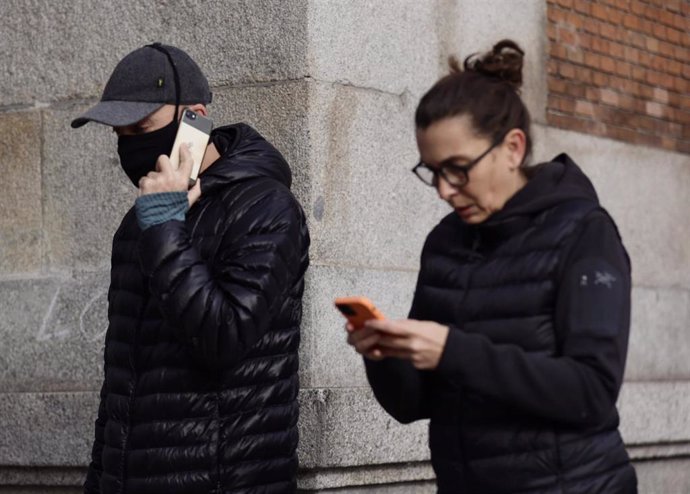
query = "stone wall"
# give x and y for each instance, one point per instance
(334, 85)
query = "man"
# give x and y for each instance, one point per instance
(200, 389)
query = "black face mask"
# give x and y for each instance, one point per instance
(139, 153)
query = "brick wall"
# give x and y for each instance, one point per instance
(621, 69)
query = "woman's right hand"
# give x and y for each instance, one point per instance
(364, 341)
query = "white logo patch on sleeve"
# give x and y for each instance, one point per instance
(604, 278)
(597, 297)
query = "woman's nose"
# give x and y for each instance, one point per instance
(445, 190)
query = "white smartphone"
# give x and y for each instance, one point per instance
(194, 129)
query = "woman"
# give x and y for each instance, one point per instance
(516, 341)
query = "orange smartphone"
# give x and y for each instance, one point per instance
(358, 310)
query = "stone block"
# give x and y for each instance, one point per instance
(375, 478)
(428, 487)
(663, 476)
(53, 333)
(246, 41)
(646, 192)
(279, 112)
(326, 359)
(42, 490)
(342, 427)
(85, 192)
(393, 46)
(20, 201)
(38, 480)
(655, 412)
(367, 208)
(659, 345)
(47, 429)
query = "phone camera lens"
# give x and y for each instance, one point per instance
(346, 309)
(191, 115)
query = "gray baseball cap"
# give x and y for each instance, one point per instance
(145, 80)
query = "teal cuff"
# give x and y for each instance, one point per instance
(154, 209)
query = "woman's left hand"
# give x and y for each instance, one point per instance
(420, 342)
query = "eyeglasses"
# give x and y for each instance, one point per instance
(455, 175)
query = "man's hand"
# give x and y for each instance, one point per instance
(420, 342)
(168, 179)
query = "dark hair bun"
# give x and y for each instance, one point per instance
(503, 62)
(454, 65)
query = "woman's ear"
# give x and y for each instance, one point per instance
(515, 143)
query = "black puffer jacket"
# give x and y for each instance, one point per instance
(200, 390)
(538, 301)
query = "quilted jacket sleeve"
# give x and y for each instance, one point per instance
(401, 389)
(222, 310)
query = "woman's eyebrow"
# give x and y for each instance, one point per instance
(455, 157)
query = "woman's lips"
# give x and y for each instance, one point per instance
(464, 211)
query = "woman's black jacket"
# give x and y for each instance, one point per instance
(538, 303)
(200, 389)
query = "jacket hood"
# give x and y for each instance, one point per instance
(550, 184)
(244, 154)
